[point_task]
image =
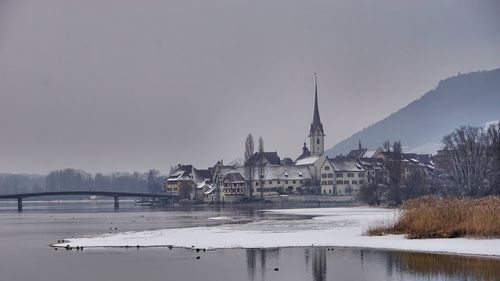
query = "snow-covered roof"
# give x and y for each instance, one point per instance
(273, 172)
(370, 153)
(307, 160)
(209, 190)
(202, 184)
(278, 172)
(346, 165)
(182, 173)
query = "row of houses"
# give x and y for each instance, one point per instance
(266, 174)
(230, 183)
(308, 174)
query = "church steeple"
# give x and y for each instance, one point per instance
(316, 134)
(316, 119)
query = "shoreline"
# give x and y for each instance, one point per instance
(328, 227)
(479, 256)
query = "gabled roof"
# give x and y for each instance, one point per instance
(183, 172)
(305, 152)
(271, 158)
(356, 153)
(273, 172)
(234, 177)
(278, 172)
(307, 160)
(204, 174)
(364, 153)
(342, 164)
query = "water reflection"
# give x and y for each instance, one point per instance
(446, 267)
(251, 260)
(263, 257)
(361, 264)
(26, 256)
(319, 264)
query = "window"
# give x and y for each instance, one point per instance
(354, 182)
(361, 182)
(327, 168)
(330, 175)
(330, 191)
(323, 182)
(339, 175)
(346, 182)
(361, 175)
(256, 184)
(324, 191)
(286, 182)
(340, 182)
(300, 181)
(317, 141)
(270, 182)
(279, 182)
(350, 175)
(323, 175)
(330, 182)
(294, 181)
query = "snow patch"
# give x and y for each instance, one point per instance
(333, 227)
(220, 218)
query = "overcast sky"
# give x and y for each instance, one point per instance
(131, 85)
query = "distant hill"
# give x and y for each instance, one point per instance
(466, 99)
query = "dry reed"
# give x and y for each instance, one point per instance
(431, 217)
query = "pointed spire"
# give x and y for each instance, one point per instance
(359, 145)
(316, 119)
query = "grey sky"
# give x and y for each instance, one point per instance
(131, 85)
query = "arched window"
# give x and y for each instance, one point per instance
(317, 141)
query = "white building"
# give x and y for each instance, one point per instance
(342, 176)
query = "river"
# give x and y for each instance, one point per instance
(25, 253)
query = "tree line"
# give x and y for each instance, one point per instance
(468, 165)
(75, 179)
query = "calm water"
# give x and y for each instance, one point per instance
(25, 254)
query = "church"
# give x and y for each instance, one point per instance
(266, 175)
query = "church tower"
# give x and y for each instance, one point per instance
(316, 135)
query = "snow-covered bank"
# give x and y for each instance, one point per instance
(341, 227)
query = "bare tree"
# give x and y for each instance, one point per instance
(395, 168)
(468, 160)
(153, 185)
(371, 193)
(494, 136)
(249, 150)
(261, 167)
(186, 190)
(415, 184)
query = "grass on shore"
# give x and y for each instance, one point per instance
(431, 217)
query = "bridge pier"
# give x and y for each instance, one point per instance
(19, 204)
(117, 202)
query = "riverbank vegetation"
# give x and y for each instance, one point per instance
(432, 217)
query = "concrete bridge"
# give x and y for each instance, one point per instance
(115, 194)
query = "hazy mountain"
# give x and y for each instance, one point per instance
(466, 99)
